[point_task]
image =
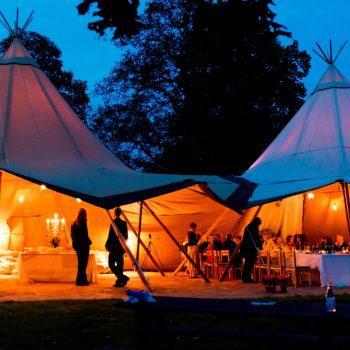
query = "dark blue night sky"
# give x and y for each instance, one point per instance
(91, 58)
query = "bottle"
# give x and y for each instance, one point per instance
(330, 299)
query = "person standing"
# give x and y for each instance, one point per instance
(249, 249)
(81, 244)
(192, 249)
(116, 250)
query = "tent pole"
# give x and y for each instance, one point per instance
(211, 228)
(179, 246)
(345, 191)
(129, 253)
(139, 232)
(236, 252)
(143, 245)
(215, 223)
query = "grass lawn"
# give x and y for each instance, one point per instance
(101, 324)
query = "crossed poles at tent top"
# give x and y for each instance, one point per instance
(328, 58)
(17, 29)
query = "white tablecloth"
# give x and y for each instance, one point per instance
(334, 268)
(56, 267)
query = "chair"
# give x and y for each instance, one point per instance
(298, 273)
(277, 263)
(223, 261)
(262, 265)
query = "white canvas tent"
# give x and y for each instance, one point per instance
(45, 145)
(312, 153)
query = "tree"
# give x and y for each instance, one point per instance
(49, 57)
(205, 86)
(120, 15)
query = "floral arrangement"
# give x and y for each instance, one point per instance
(270, 279)
(55, 241)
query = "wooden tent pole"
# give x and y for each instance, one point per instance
(179, 246)
(139, 233)
(345, 191)
(129, 253)
(143, 245)
(212, 227)
(236, 252)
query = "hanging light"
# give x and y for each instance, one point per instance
(78, 200)
(334, 206)
(43, 187)
(310, 195)
(21, 198)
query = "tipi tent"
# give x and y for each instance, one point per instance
(312, 153)
(50, 162)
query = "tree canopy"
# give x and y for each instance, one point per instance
(203, 88)
(49, 57)
(118, 15)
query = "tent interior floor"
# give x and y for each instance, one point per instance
(11, 289)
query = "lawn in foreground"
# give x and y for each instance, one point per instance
(102, 324)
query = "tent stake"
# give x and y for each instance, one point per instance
(129, 253)
(180, 247)
(139, 233)
(143, 245)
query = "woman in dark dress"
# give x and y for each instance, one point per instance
(81, 244)
(250, 247)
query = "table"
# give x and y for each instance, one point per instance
(53, 267)
(334, 268)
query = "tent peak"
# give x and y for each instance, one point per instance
(328, 57)
(16, 30)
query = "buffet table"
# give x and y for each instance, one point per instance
(53, 267)
(334, 268)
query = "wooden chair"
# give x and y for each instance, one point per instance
(298, 273)
(262, 266)
(223, 261)
(277, 263)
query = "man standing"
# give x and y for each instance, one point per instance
(249, 249)
(116, 250)
(193, 238)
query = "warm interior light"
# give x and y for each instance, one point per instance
(334, 207)
(78, 200)
(21, 198)
(311, 195)
(43, 188)
(4, 235)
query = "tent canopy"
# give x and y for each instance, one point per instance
(44, 141)
(313, 150)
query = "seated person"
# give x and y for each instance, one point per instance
(339, 243)
(268, 243)
(278, 241)
(300, 241)
(202, 246)
(290, 242)
(229, 244)
(217, 243)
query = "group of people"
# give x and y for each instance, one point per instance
(197, 247)
(81, 244)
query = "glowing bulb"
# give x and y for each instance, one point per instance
(78, 200)
(311, 195)
(21, 198)
(334, 207)
(43, 188)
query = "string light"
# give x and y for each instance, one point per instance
(334, 207)
(310, 195)
(43, 187)
(78, 200)
(21, 198)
